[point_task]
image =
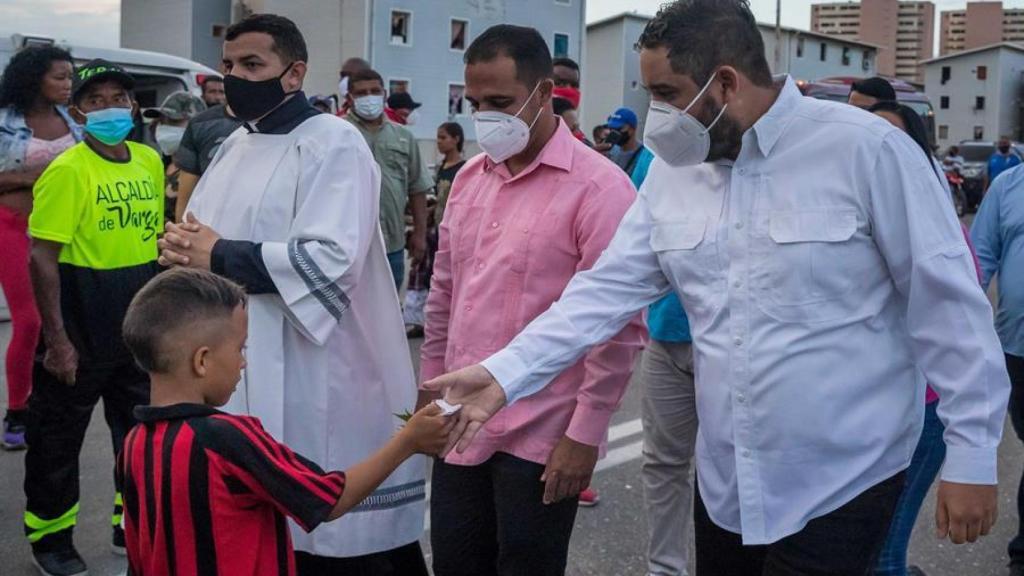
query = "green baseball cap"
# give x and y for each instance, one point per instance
(178, 106)
(97, 70)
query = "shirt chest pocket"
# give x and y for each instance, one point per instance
(394, 158)
(807, 264)
(464, 230)
(688, 254)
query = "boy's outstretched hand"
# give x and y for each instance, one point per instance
(428, 429)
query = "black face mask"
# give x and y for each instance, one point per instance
(252, 99)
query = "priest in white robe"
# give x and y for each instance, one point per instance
(289, 209)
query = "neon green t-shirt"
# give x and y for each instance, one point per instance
(106, 213)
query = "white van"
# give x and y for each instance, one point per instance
(156, 75)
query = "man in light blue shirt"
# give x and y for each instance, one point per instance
(998, 236)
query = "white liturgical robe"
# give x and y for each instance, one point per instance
(328, 362)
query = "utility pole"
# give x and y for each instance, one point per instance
(778, 37)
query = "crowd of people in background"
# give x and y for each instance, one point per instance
(539, 273)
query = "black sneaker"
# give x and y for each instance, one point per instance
(65, 562)
(14, 431)
(117, 545)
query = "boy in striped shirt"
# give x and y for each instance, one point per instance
(205, 492)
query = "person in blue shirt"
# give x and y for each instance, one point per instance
(998, 236)
(669, 413)
(1004, 158)
(626, 149)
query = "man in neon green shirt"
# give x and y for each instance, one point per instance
(98, 208)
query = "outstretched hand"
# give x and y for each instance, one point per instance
(480, 396)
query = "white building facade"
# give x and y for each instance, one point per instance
(611, 66)
(977, 94)
(416, 45)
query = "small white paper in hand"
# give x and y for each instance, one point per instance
(446, 408)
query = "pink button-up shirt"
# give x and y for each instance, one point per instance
(508, 247)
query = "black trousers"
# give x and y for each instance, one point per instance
(489, 520)
(845, 542)
(1015, 366)
(58, 416)
(402, 561)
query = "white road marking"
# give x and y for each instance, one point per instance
(614, 457)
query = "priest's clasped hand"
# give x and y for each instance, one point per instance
(189, 243)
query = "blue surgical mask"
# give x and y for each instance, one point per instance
(110, 125)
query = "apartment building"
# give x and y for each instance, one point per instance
(903, 31)
(980, 24)
(417, 46)
(611, 68)
(976, 93)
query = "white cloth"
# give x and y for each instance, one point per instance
(826, 278)
(328, 363)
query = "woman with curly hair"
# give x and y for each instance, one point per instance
(34, 129)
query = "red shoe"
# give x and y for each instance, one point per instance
(589, 498)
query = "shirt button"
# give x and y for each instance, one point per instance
(468, 307)
(494, 224)
(746, 453)
(741, 398)
(738, 341)
(480, 266)
(737, 283)
(739, 225)
(743, 170)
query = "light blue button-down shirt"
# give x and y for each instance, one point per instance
(826, 278)
(998, 236)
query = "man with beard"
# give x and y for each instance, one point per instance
(826, 280)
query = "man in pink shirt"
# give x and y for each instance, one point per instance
(521, 219)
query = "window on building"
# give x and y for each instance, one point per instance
(982, 72)
(846, 55)
(401, 27)
(979, 132)
(398, 85)
(946, 72)
(943, 132)
(979, 102)
(456, 100)
(944, 102)
(799, 47)
(561, 48)
(218, 30)
(824, 52)
(460, 30)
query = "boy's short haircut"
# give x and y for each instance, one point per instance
(171, 301)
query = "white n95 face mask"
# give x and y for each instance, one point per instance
(502, 136)
(168, 138)
(677, 137)
(370, 107)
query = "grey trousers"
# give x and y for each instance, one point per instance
(670, 431)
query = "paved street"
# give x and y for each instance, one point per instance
(609, 539)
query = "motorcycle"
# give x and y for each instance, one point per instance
(956, 188)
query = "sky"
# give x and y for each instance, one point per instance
(97, 22)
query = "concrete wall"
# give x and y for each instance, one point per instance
(604, 74)
(878, 22)
(207, 48)
(147, 25)
(1010, 86)
(1001, 90)
(320, 23)
(809, 66)
(984, 24)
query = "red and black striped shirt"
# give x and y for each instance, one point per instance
(206, 493)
